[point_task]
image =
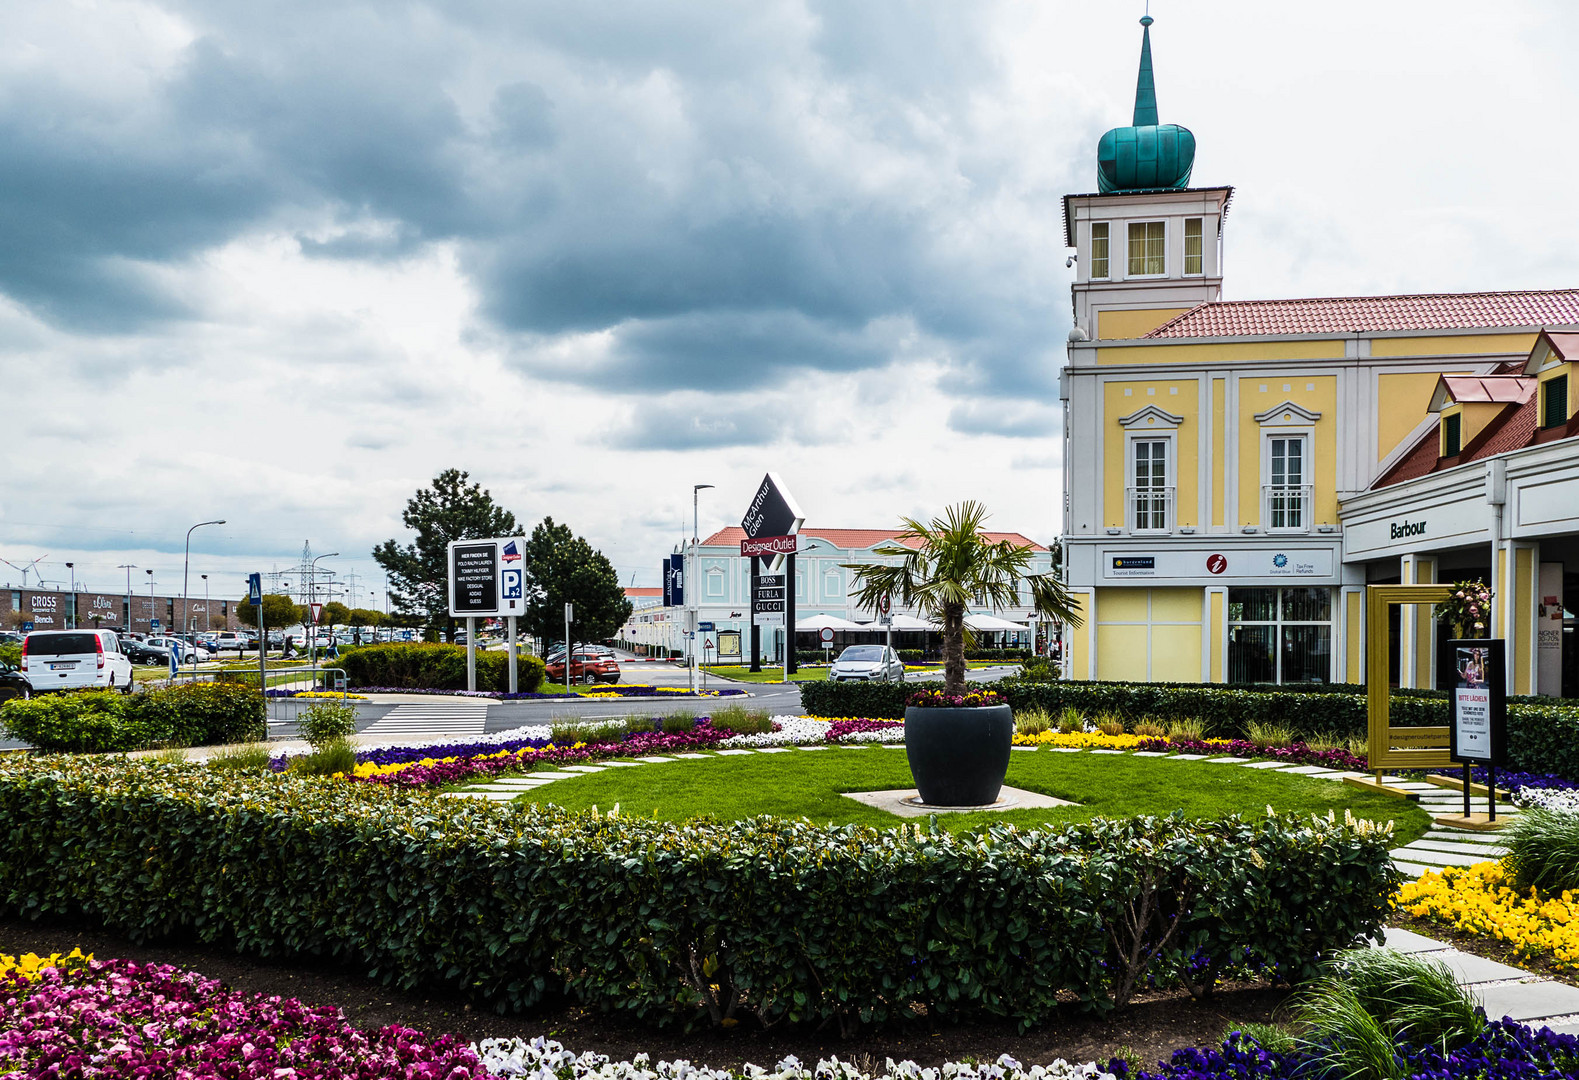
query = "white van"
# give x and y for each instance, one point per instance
(75, 660)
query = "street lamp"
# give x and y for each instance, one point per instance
(208, 617)
(73, 568)
(128, 567)
(186, 603)
(693, 599)
(150, 574)
(312, 622)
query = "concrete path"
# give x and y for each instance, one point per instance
(1503, 990)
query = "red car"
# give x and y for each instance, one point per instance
(585, 667)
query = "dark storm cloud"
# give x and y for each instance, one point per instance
(733, 196)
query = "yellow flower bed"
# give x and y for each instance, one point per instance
(368, 768)
(1476, 899)
(334, 695)
(28, 965)
(1092, 740)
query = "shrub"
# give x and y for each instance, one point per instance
(1070, 721)
(679, 722)
(912, 656)
(1032, 721)
(1542, 737)
(742, 721)
(430, 666)
(333, 755)
(11, 654)
(1543, 852)
(1269, 736)
(1150, 729)
(323, 721)
(773, 919)
(1186, 729)
(252, 758)
(1039, 670)
(101, 721)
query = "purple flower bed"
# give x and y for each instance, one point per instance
(117, 1019)
(490, 761)
(841, 728)
(1503, 1051)
(622, 691)
(1297, 753)
(1508, 780)
(970, 699)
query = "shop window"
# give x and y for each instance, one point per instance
(1147, 253)
(1280, 635)
(1099, 250)
(1554, 402)
(1452, 434)
(1194, 260)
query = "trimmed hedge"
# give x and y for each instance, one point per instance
(693, 924)
(100, 721)
(431, 666)
(1542, 738)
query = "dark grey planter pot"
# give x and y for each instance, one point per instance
(959, 756)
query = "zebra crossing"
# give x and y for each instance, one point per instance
(428, 721)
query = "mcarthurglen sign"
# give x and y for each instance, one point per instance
(771, 521)
(772, 511)
(769, 545)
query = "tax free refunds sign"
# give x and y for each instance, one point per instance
(487, 577)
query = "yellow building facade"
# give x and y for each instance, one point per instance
(1236, 473)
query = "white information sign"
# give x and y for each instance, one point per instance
(768, 618)
(487, 577)
(1473, 720)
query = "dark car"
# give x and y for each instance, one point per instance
(13, 684)
(139, 653)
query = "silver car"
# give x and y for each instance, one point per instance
(867, 663)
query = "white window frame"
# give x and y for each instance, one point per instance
(1108, 276)
(1149, 221)
(1148, 424)
(1288, 421)
(1184, 249)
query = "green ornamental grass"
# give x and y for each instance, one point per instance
(1543, 852)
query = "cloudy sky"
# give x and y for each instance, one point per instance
(281, 263)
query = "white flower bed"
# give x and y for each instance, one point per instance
(1566, 802)
(543, 1059)
(882, 735)
(793, 731)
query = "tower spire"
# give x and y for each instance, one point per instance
(1145, 84)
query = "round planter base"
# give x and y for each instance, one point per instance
(959, 757)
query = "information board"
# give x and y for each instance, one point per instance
(1477, 704)
(474, 578)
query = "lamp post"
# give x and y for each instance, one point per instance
(73, 568)
(312, 598)
(150, 574)
(128, 567)
(186, 603)
(693, 599)
(208, 617)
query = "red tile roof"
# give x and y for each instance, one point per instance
(1374, 314)
(855, 538)
(636, 591)
(1566, 346)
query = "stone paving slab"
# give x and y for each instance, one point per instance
(1065, 750)
(1009, 798)
(656, 757)
(1266, 764)
(1465, 836)
(1148, 753)
(809, 749)
(1413, 869)
(582, 768)
(1486, 851)
(694, 757)
(1436, 858)
(557, 775)
(1108, 751)
(521, 781)
(1528, 1001)
(1022, 749)
(1311, 770)
(489, 796)
(1188, 757)
(1564, 1029)
(624, 764)
(773, 750)
(736, 752)
(1407, 941)
(1226, 760)
(1469, 969)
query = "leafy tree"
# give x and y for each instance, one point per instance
(334, 613)
(450, 510)
(560, 567)
(279, 610)
(953, 566)
(361, 617)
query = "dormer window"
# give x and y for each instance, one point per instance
(1099, 250)
(1452, 434)
(1194, 257)
(1554, 402)
(1147, 249)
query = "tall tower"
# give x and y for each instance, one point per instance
(1148, 246)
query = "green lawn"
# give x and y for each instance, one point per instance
(801, 784)
(743, 673)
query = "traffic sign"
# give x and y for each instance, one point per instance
(826, 633)
(153, 624)
(255, 590)
(704, 627)
(27, 628)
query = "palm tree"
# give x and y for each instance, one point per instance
(953, 566)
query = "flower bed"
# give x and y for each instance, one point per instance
(117, 1019)
(764, 920)
(615, 690)
(1477, 900)
(1502, 1051)
(841, 730)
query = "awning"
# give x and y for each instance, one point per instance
(991, 623)
(813, 623)
(910, 622)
